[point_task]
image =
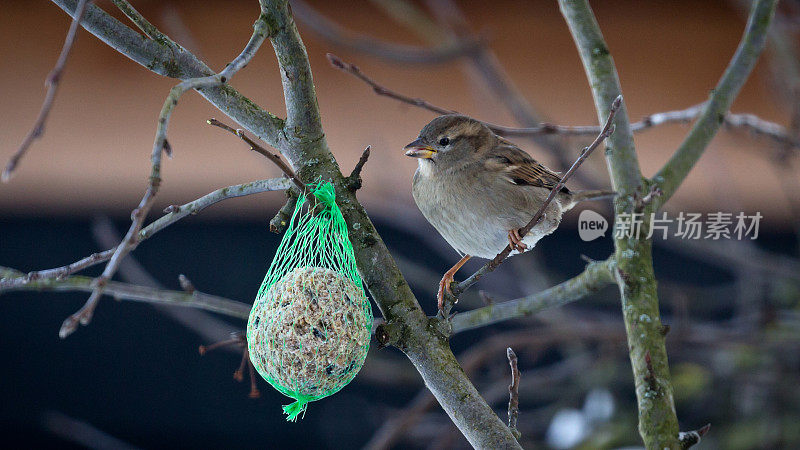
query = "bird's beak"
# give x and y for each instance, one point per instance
(418, 149)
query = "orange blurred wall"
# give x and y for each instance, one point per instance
(95, 151)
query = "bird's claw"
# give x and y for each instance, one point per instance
(515, 241)
(444, 285)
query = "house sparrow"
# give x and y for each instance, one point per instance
(478, 189)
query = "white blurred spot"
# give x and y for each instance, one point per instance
(598, 406)
(567, 429)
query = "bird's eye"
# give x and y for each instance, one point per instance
(444, 141)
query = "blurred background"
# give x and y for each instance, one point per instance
(134, 377)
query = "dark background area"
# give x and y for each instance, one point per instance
(136, 375)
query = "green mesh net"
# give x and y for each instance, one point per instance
(309, 329)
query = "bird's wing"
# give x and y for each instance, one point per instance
(513, 164)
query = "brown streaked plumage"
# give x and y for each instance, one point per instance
(477, 189)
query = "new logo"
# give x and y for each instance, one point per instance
(591, 225)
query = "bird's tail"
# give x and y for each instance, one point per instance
(588, 195)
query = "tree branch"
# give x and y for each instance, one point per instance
(301, 140)
(689, 439)
(143, 24)
(84, 315)
(670, 177)
(596, 276)
(354, 179)
(513, 393)
(379, 89)
(275, 158)
(161, 58)
(174, 214)
(51, 83)
(335, 34)
(132, 292)
(750, 122)
(658, 423)
(423, 345)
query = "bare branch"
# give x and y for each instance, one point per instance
(355, 176)
(275, 158)
(301, 139)
(422, 344)
(235, 339)
(607, 131)
(182, 64)
(593, 278)
(186, 284)
(513, 393)
(174, 214)
(281, 219)
(334, 33)
(658, 422)
(137, 293)
(131, 240)
(760, 127)
(143, 24)
(670, 177)
(380, 90)
(360, 164)
(640, 202)
(750, 122)
(51, 83)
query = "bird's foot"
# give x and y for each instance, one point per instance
(515, 241)
(444, 286)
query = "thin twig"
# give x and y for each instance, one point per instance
(235, 340)
(354, 180)
(360, 164)
(760, 127)
(280, 221)
(513, 393)
(254, 392)
(274, 157)
(640, 202)
(335, 34)
(131, 271)
(174, 214)
(380, 90)
(186, 284)
(596, 275)
(51, 83)
(138, 293)
(607, 130)
(131, 239)
(143, 24)
(672, 174)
